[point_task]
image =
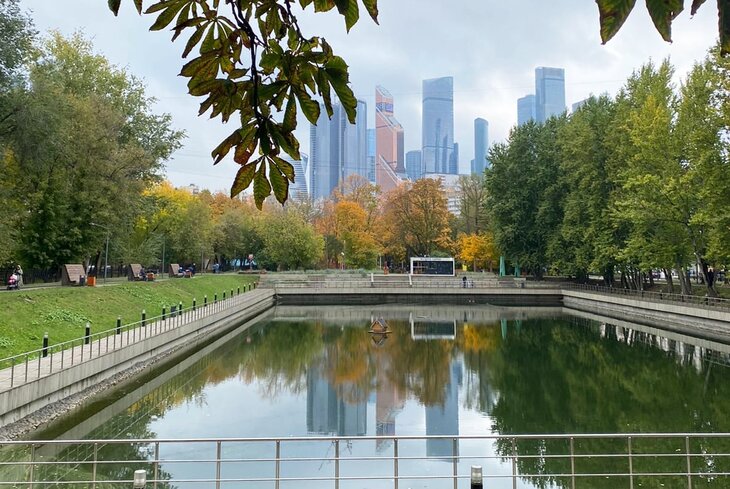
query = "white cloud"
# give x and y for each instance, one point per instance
(490, 47)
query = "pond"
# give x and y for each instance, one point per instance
(439, 370)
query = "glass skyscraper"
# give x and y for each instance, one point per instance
(389, 142)
(414, 167)
(525, 109)
(338, 149)
(298, 190)
(371, 155)
(549, 93)
(481, 144)
(438, 125)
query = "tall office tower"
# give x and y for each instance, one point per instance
(525, 109)
(389, 143)
(414, 166)
(371, 155)
(438, 124)
(549, 93)
(328, 410)
(338, 149)
(298, 190)
(481, 144)
(454, 160)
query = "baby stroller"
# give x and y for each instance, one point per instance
(13, 282)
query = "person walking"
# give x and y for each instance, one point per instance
(19, 273)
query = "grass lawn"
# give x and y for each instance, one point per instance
(62, 312)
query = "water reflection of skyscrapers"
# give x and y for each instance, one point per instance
(328, 412)
(388, 403)
(444, 419)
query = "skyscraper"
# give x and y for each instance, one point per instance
(339, 149)
(371, 155)
(525, 109)
(414, 167)
(438, 125)
(481, 144)
(389, 142)
(549, 93)
(299, 189)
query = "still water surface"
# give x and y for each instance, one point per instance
(442, 370)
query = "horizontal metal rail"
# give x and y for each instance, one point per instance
(683, 457)
(697, 300)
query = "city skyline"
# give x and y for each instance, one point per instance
(489, 75)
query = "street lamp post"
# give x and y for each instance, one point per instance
(106, 251)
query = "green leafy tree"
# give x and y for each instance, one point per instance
(290, 243)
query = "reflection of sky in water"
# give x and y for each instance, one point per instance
(516, 375)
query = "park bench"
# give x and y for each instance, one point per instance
(73, 274)
(174, 270)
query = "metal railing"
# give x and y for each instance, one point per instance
(698, 300)
(609, 460)
(403, 282)
(32, 365)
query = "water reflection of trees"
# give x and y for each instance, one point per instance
(584, 379)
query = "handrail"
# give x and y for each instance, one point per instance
(717, 302)
(630, 457)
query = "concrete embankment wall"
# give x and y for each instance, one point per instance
(363, 296)
(713, 324)
(29, 397)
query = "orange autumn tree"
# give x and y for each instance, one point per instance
(477, 250)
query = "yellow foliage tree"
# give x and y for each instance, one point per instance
(477, 250)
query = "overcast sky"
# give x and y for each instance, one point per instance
(490, 47)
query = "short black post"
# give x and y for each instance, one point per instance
(144, 318)
(224, 295)
(194, 303)
(179, 308)
(255, 284)
(238, 291)
(119, 324)
(87, 334)
(215, 298)
(249, 287)
(164, 311)
(45, 345)
(205, 301)
(231, 293)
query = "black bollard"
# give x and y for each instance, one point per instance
(87, 334)
(238, 291)
(179, 309)
(193, 303)
(45, 345)
(205, 301)
(215, 298)
(119, 325)
(224, 295)
(164, 311)
(144, 318)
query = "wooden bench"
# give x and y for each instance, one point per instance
(174, 270)
(73, 274)
(135, 272)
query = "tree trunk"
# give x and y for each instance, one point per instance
(708, 278)
(668, 277)
(684, 282)
(651, 278)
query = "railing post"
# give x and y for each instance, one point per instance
(454, 449)
(689, 464)
(631, 466)
(514, 464)
(278, 462)
(31, 474)
(337, 464)
(395, 463)
(572, 463)
(93, 466)
(156, 464)
(218, 465)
